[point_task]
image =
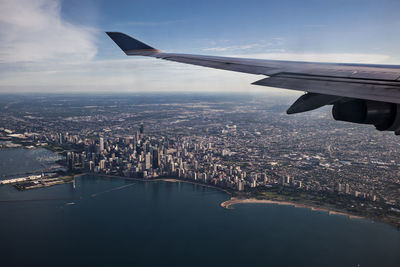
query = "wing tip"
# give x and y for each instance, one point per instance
(130, 45)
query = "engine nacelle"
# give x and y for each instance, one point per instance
(383, 115)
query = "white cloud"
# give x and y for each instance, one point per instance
(131, 74)
(42, 52)
(139, 74)
(34, 31)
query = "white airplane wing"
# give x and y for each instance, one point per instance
(360, 93)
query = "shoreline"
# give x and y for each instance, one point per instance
(234, 201)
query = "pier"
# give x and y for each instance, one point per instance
(37, 181)
(20, 179)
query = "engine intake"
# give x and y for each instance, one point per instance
(383, 115)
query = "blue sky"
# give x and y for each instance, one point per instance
(60, 46)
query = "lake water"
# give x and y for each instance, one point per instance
(116, 222)
(14, 162)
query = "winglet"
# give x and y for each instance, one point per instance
(131, 46)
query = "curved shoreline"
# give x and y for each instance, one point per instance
(234, 201)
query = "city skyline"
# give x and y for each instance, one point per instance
(242, 144)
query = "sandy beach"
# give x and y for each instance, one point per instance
(234, 201)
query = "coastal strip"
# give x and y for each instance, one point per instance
(234, 201)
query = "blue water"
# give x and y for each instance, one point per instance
(20, 161)
(115, 222)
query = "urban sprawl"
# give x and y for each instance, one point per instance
(248, 146)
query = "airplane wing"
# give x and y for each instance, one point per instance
(360, 93)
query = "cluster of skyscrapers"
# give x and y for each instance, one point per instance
(143, 156)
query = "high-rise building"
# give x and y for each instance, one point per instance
(156, 159)
(71, 160)
(141, 129)
(147, 161)
(299, 184)
(204, 177)
(240, 186)
(172, 167)
(137, 136)
(101, 143)
(340, 187)
(347, 189)
(91, 166)
(102, 164)
(264, 177)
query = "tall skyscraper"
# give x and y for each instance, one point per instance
(61, 138)
(147, 161)
(70, 160)
(156, 158)
(137, 136)
(101, 141)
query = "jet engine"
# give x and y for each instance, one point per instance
(383, 115)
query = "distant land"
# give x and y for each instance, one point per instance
(245, 144)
